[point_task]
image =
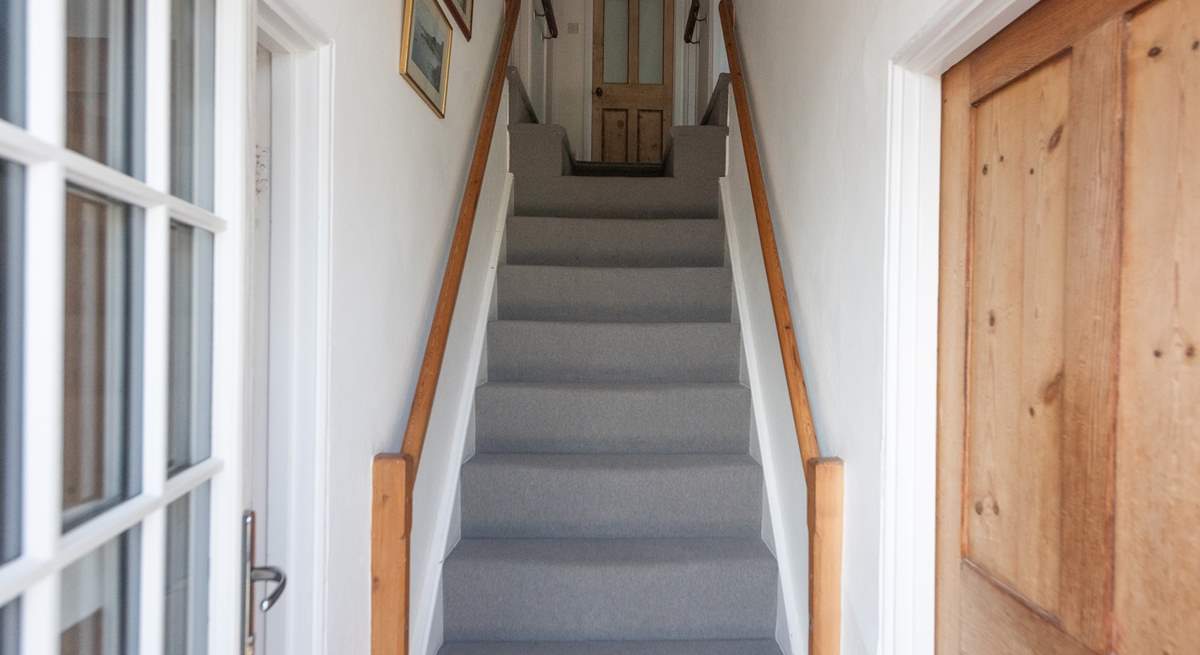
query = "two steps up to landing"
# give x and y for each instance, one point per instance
(612, 504)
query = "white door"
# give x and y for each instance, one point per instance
(121, 256)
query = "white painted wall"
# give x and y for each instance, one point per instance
(397, 174)
(818, 78)
(570, 70)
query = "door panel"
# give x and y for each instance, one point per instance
(1070, 182)
(1158, 482)
(650, 135)
(1016, 334)
(632, 79)
(615, 135)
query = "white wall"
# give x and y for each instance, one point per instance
(818, 75)
(570, 70)
(397, 175)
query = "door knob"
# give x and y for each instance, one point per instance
(599, 92)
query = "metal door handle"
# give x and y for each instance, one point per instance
(269, 574)
(599, 92)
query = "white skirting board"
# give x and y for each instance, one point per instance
(783, 466)
(435, 495)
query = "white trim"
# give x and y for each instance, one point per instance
(301, 196)
(774, 430)
(909, 461)
(434, 531)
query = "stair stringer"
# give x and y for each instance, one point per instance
(785, 495)
(435, 527)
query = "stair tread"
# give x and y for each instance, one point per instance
(608, 352)
(611, 495)
(607, 552)
(603, 589)
(711, 647)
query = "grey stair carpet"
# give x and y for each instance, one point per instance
(742, 647)
(556, 293)
(611, 504)
(616, 197)
(553, 241)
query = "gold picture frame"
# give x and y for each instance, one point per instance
(425, 45)
(463, 12)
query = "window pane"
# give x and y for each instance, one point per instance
(193, 62)
(105, 73)
(11, 220)
(10, 628)
(187, 573)
(100, 600)
(650, 42)
(189, 414)
(12, 61)
(102, 352)
(616, 41)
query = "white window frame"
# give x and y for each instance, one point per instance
(34, 576)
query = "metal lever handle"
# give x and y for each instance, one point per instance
(269, 574)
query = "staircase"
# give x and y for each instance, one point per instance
(612, 504)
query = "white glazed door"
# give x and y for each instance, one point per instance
(121, 313)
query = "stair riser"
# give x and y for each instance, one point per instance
(615, 242)
(561, 497)
(493, 599)
(535, 293)
(616, 197)
(597, 352)
(695, 419)
(746, 647)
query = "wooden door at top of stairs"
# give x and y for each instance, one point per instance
(1069, 355)
(633, 79)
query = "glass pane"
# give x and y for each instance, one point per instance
(10, 628)
(650, 42)
(102, 348)
(99, 614)
(189, 413)
(105, 73)
(11, 211)
(616, 41)
(12, 61)
(187, 574)
(193, 62)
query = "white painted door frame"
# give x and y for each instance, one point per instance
(301, 178)
(909, 463)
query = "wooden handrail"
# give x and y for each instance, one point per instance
(801, 413)
(395, 474)
(689, 31)
(824, 476)
(548, 15)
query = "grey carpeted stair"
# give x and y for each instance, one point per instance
(612, 418)
(567, 496)
(609, 589)
(740, 647)
(553, 241)
(611, 505)
(616, 197)
(613, 352)
(556, 293)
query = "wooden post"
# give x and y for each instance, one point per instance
(825, 492)
(391, 521)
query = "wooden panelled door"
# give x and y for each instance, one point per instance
(633, 79)
(1069, 369)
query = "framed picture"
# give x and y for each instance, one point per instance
(425, 51)
(464, 14)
